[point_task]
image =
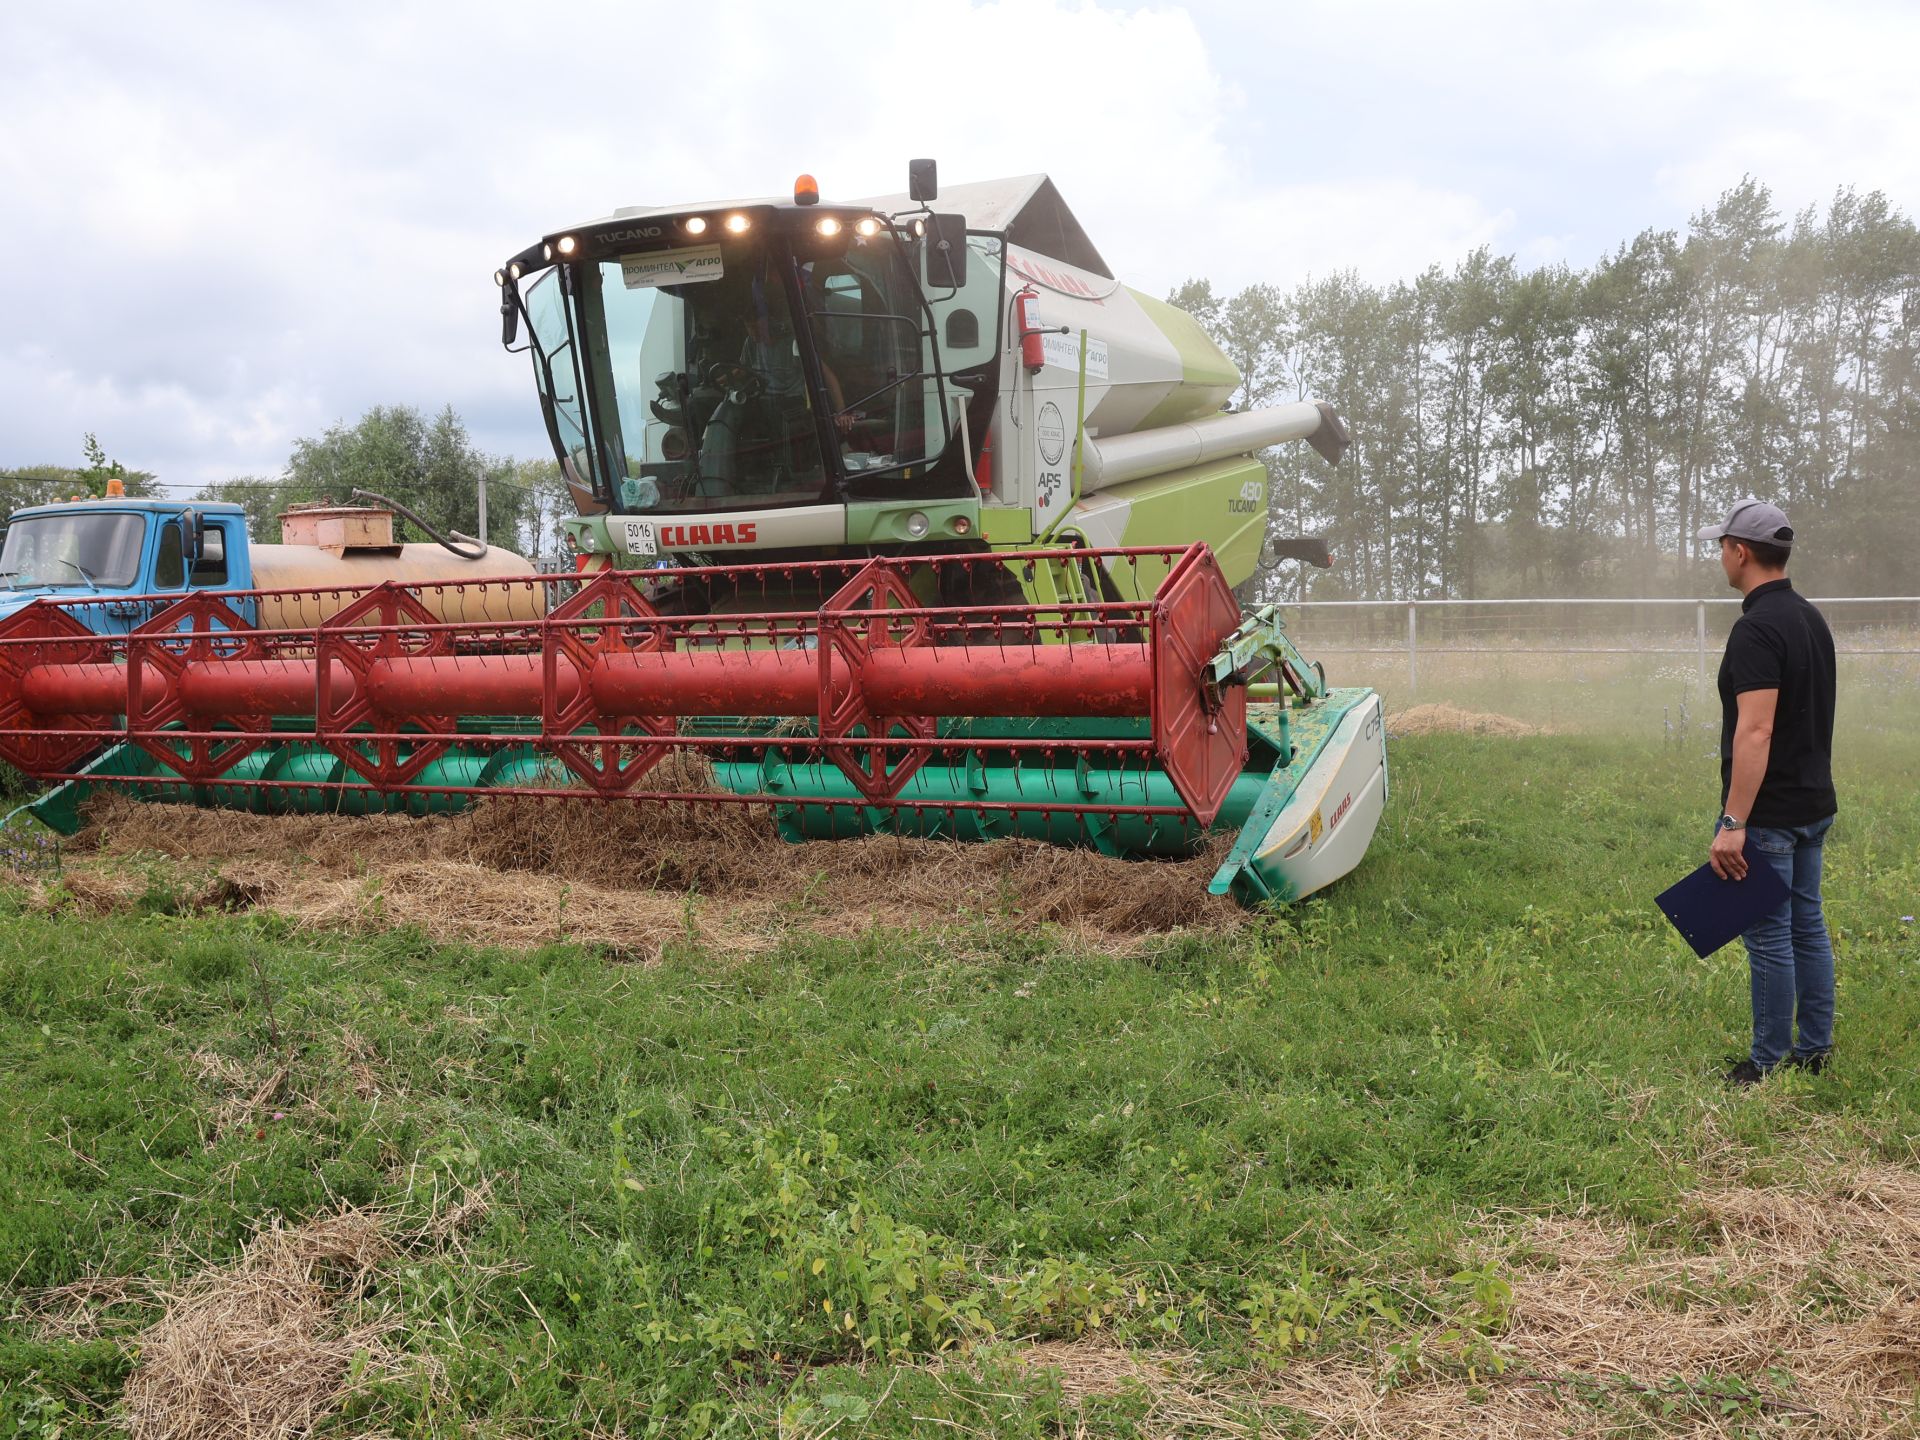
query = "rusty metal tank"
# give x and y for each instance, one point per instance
(350, 549)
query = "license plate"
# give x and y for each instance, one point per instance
(642, 537)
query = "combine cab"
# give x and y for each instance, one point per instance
(890, 519)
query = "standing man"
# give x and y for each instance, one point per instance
(1776, 785)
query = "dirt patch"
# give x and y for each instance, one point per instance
(1443, 719)
(1788, 1309)
(524, 872)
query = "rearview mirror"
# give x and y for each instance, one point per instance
(192, 534)
(509, 315)
(946, 251)
(923, 181)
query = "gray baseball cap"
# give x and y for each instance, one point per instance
(1752, 519)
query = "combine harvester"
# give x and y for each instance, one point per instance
(897, 520)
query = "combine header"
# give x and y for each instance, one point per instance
(888, 521)
(1122, 725)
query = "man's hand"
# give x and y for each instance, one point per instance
(1729, 854)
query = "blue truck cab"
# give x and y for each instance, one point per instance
(124, 559)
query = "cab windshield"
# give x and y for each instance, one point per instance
(99, 549)
(740, 374)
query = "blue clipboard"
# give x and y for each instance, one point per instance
(1709, 911)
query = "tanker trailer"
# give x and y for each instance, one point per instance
(330, 556)
(120, 560)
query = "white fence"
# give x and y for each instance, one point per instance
(1567, 661)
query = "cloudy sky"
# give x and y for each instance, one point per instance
(237, 224)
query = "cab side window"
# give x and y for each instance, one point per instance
(169, 562)
(211, 567)
(969, 317)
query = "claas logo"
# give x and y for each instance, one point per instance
(692, 537)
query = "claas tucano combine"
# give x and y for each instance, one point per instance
(892, 517)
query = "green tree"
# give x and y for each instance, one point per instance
(45, 484)
(1567, 431)
(430, 466)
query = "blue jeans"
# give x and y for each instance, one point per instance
(1788, 952)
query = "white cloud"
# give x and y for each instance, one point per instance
(236, 225)
(1805, 100)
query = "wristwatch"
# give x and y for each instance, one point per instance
(1727, 822)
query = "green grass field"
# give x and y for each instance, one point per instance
(843, 1188)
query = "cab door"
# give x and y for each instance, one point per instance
(166, 578)
(222, 562)
(175, 575)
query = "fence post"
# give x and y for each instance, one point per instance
(1700, 637)
(1413, 648)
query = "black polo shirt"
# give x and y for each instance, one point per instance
(1780, 642)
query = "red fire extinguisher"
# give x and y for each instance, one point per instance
(1033, 349)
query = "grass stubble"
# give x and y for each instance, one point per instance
(1107, 1124)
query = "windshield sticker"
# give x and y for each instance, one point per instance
(671, 267)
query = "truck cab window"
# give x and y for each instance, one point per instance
(83, 548)
(554, 370)
(211, 567)
(969, 316)
(874, 361)
(169, 561)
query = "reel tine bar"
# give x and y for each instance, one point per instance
(610, 675)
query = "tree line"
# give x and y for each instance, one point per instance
(429, 465)
(24, 485)
(1544, 431)
(1562, 431)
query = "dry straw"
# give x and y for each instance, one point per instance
(267, 1347)
(528, 872)
(1617, 1330)
(1444, 719)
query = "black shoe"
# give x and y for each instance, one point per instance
(1813, 1064)
(1744, 1074)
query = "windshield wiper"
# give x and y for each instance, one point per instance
(92, 584)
